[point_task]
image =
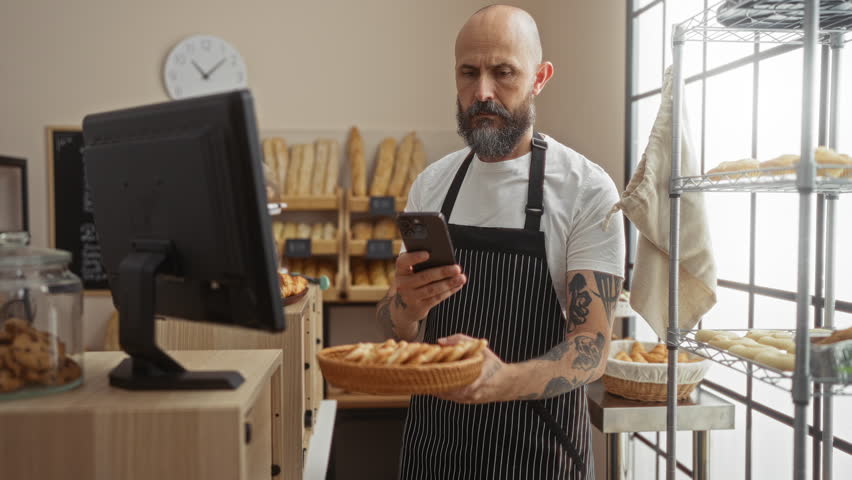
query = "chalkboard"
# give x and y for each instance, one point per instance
(72, 220)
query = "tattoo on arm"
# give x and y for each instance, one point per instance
(578, 311)
(556, 386)
(384, 315)
(556, 353)
(589, 351)
(397, 301)
(609, 286)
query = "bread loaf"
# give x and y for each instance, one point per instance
(707, 335)
(306, 170)
(362, 230)
(320, 168)
(293, 169)
(385, 229)
(269, 157)
(384, 168)
(746, 164)
(825, 155)
(296, 265)
(303, 230)
(390, 269)
(329, 231)
(290, 230)
(418, 163)
(281, 161)
(378, 275)
(326, 268)
(360, 276)
(775, 359)
(355, 152)
(781, 161)
(401, 166)
(333, 171)
(317, 231)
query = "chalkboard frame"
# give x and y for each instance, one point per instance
(20, 164)
(51, 132)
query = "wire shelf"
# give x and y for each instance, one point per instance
(765, 21)
(776, 179)
(763, 373)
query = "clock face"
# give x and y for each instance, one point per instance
(203, 65)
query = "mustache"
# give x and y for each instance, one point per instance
(490, 107)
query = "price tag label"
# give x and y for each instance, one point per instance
(380, 249)
(384, 206)
(297, 248)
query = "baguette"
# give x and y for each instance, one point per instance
(384, 167)
(303, 188)
(355, 152)
(418, 163)
(401, 167)
(282, 160)
(293, 169)
(320, 168)
(333, 170)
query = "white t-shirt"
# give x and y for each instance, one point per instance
(578, 195)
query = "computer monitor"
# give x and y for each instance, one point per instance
(181, 215)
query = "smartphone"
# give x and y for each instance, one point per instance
(427, 231)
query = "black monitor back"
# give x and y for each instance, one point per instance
(188, 173)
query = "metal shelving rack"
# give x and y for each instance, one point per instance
(801, 22)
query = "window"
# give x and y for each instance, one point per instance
(742, 100)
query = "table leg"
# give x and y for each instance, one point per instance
(615, 469)
(700, 454)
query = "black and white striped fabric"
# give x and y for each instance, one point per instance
(509, 299)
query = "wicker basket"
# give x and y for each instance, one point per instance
(646, 382)
(399, 379)
(642, 391)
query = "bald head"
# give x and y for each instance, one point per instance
(502, 26)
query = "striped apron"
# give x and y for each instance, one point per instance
(510, 300)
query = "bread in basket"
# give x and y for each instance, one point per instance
(647, 382)
(392, 368)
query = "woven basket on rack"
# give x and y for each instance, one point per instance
(646, 382)
(396, 379)
(642, 391)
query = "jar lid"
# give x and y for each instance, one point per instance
(14, 252)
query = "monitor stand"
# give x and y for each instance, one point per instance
(148, 367)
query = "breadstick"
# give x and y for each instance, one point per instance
(333, 170)
(461, 349)
(306, 170)
(293, 169)
(355, 152)
(478, 346)
(384, 167)
(426, 357)
(401, 166)
(402, 354)
(320, 168)
(282, 161)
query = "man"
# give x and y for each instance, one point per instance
(538, 274)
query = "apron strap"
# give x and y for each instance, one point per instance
(554, 428)
(535, 188)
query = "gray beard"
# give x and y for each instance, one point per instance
(487, 139)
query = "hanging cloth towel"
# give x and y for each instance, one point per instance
(646, 203)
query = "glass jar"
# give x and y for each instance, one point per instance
(41, 306)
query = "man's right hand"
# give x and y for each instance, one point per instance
(418, 293)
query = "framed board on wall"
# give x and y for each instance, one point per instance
(72, 223)
(14, 210)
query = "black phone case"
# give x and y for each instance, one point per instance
(427, 231)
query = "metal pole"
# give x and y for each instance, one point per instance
(805, 181)
(830, 239)
(700, 455)
(674, 260)
(615, 456)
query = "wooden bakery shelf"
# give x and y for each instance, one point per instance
(349, 400)
(362, 204)
(366, 294)
(335, 292)
(313, 203)
(358, 248)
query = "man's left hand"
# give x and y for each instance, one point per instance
(492, 385)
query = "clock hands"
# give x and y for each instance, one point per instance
(215, 67)
(203, 75)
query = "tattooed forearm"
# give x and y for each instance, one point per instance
(609, 286)
(578, 311)
(383, 314)
(556, 353)
(397, 301)
(589, 351)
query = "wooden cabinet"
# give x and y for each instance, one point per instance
(301, 378)
(97, 432)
